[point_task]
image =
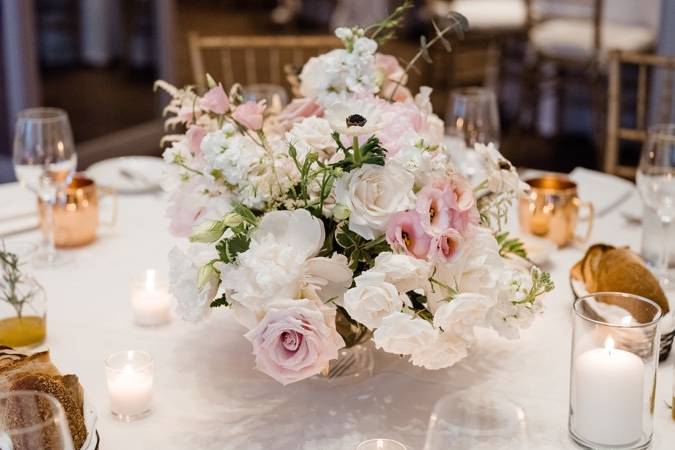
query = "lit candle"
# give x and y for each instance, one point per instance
(130, 379)
(150, 301)
(608, 388)
(381, 444)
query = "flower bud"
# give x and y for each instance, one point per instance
(340, 212)
(207, 274)
(207, 232)
(232, 220)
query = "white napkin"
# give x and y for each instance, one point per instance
(18, 214)
(605, 191)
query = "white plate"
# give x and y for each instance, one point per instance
(90, 417)
(128, 174)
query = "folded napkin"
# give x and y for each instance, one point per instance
(605, 191)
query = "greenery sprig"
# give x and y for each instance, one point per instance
(12, 278)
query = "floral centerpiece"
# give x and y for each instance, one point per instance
(341, 217)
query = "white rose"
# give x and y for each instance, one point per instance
(445, 350)
(403, 271)
(403, 334)
(373, 194)
(463, 313)
(313, 134)
(327, 279)
(372, 299)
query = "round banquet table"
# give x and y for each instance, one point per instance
(208, 396)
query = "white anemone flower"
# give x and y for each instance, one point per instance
(356, 118)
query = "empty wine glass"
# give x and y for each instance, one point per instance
(656, 183)
(274, 95)
(44, 162)
(33, 420)
(472, 118)
(476, 420)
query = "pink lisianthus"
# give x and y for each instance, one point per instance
(294, 340)
(405, 232)
(250, 114)
(215, 100)
(447, 204)
(298, 109)
(447, 246)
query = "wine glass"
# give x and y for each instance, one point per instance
(44, 162)
(656, 184)
(472, 118)
(476, 420)
(32, 420)
(274, 95)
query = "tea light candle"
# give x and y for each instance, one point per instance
(608, 395)
(381, 444)
(150, 301)
(130, 378)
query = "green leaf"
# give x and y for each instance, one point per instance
(221, 301)
(228, 249)
(246, 214)
(512, 246)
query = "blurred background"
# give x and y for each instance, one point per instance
(564, 96)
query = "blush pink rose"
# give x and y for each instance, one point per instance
(405, 233)
(194, 135)
(294, 340)
(215, 100)
(298, 109)
(250, 114)
(392, 72)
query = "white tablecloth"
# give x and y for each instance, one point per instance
(207, 396)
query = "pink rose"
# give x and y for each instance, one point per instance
(298, 109)
(294, 340)
(215, 100)
(250, 114)
(194, 136)
(392, 73)
(405, 232)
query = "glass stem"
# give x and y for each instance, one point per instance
(48, 231)
(664, 256)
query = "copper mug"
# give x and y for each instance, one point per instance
(551, 210)
(76, 212)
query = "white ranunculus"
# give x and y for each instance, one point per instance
(327, 279)
(373, 194)
(372, 299)
(463, 313)
(405, 272)
(445, 350)
(340, 113)
(502, 177)
(403, 334)
(193, 303)
(313, 134)
(296, 229)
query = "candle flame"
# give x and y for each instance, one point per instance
(150, 279)
(609, 344)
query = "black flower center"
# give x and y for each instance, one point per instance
(356, 120)
(505, 165)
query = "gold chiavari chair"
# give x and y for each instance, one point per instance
(653, 71)
(252, 59)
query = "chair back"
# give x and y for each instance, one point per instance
(655, 71)
(252, 59)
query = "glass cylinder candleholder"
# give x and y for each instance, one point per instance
(130, 378)
(381, 444)
(615, 348)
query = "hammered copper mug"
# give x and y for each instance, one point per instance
(551, 210)
(76, 212)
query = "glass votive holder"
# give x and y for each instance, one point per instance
(381, 444)
(150, 299)
(130, 377)
(615, 348)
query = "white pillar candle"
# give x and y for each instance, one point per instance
(150, 301)
(608, 400)
(130, 392)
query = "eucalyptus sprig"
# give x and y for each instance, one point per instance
(12, 278)
(389, 24)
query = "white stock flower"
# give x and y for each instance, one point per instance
(373, 194)
(445, 350)
(193, 303)
(460, 315)
(372, 299)
(507, 317)
(403, 334)
(354, 118)
(405, 272)
(501, 175)
(426, 165)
